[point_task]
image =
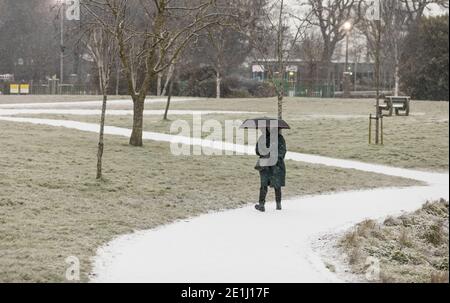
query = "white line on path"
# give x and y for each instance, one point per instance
(243, 245)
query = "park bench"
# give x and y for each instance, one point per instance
(399, 104)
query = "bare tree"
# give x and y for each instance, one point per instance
(169, 95)
(310, 51)
(222, 48)
(330, 16)
(274, 38)
(28, 48)
(416, 8)
(102, 47)
(398, 18)
(151, 34)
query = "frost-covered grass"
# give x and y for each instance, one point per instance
(51, 206)
(330, 127)
(410, 248)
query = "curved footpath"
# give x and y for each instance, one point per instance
(243, 245)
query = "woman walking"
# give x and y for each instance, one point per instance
(274, 173)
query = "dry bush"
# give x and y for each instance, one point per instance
(411, 248)
(391, 221)
(350, 239)
(405, 239)
(439, 277)
(355, 256)
(434, 234)
(365, 228)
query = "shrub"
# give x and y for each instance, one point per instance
(424, 66)
(400, 257)
(433, 235)
(201, 82)
(404, 238)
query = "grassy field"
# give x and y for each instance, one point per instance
(52, 207)
(335, 128)
(412, 248)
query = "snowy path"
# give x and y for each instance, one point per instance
(97, 104)
(113, 112)
(245, 246)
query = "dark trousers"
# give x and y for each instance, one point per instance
(263, 193)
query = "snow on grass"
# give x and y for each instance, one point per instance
(52, 206)
(229, 249)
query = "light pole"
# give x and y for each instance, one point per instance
(347, 26)
(61, 4)
(62, 43)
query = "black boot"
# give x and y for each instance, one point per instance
(262, 199)
(278, 197)
(260, 207)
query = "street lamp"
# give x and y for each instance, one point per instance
(347, 27)
(61, 4)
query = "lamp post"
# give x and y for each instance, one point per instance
(61, 64)
(347, 26)
(62, 5)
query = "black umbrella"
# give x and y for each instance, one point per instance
(265, 122)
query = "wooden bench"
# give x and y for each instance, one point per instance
(399, 104)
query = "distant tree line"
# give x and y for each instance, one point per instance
(212, 57)
(424, 64)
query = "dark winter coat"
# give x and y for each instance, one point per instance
(273, 176)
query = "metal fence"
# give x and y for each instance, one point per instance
(64, 89)
(51, 87)
(319, 91)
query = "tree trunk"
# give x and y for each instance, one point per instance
(330, 80)
(100, 140)
(396, 70)
(168, 100)
(218, 85)
(397, 81)
(280, 105)
(169, 78)
(138, 120)
(158, 84)
(117, 81)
